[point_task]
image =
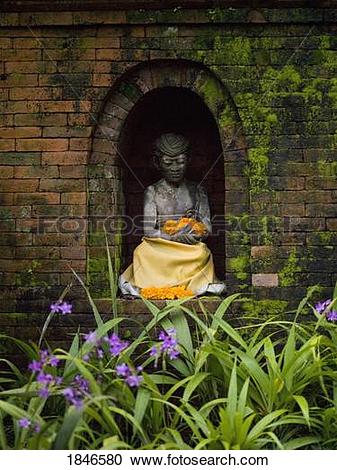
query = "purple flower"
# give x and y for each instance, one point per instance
(54, 361)
(153, 351)
(35, 366)
(169, 343)
(58, 380)
(91, 337)
(81, 383)
(321, 306)
(122, 370)
(45, 379)
(134, 380)
(173, 354)
(332, 316)
(65, 308)
(44, 392)
(169, 340)
(24, 423)
(75, 393)
(86, 357)
(44, 356)
(56, 307)
(100, 353)
(116, 344)
(37, 427)
(68, 393)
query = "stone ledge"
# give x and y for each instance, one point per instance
(77, 5)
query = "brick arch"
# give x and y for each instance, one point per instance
(105, 172)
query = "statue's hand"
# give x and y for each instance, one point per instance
(186, 238)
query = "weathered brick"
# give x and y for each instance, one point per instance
(37, 252)
(293, 210)
(71, 171)
(46, 18)
(15, 212)
(108, 54)
(63, 185)
(58, 239)
(64, 158)
(6, 145)
(20, 132)
(21, 54)
(6, 171)
(65, 106)
(80, 144)
(20, 79)
(73, 252)
(37, 198)
(15, 239)
(44, 119)
(41, 93)
(36, 172)
(265, 280)
(30, 67)
(63, 54)
(74, 198)
(19, 185)
(103, 79)
(321, 210)
(67, 131)
(20, 158)
(59, 210)
(55, 145)
(331, 224)
(6, 199)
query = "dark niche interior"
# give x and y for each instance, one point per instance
(179, 110)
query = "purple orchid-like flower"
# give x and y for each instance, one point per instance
(35, 366)
(122, 370)
(332, 316)
(91, 337)
(24, 423)
(54, 361)
(134, 380)
(116, 344)
(154, 351)
(65, 308)
(169, 344)
(44, 392)
(321, 306)
(55, 307)
(75, 393)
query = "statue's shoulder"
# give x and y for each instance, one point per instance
(196, 187)
(153, 188)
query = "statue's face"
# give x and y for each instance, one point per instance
(173, 168)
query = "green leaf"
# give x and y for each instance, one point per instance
(70, 422)
(98, 318)
(303, 404)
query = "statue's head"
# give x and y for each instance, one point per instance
(171, 156)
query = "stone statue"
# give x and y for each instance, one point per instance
(168, 257)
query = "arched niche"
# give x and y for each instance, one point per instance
(155, 97)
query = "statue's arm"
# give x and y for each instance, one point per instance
(204, 210)
(150, 216)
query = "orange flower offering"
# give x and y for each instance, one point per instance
(167, 293)
(172, 227)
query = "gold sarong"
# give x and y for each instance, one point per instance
(164, 263)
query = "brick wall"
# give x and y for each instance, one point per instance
(58, 71)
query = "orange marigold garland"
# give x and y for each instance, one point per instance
(172, 227)
(167, 293)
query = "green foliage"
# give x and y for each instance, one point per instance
(262, 386)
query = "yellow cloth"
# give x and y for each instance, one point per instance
(164, 263)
